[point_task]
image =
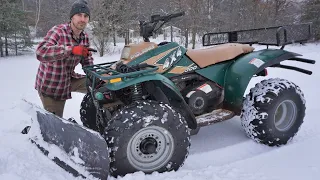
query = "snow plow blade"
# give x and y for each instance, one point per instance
(78, 150)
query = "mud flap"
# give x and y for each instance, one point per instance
(78, 150)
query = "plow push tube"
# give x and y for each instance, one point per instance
(76, 149)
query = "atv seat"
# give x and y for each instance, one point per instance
(220, 53)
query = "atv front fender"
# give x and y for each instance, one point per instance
(139, 79)
(167, 87)
(242, 70)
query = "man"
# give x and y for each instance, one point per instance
(63, 48)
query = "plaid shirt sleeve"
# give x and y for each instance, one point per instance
(50, 50)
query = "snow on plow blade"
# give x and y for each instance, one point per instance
(78, 150)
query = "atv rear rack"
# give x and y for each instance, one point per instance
(273, 36)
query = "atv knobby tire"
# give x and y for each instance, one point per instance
(88, 113)
(194, 131)
(273, 112)
(147, 136)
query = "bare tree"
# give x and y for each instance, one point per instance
(112, 18)
(310, 14)
(195, 18)
(37, 17)
(108, 17)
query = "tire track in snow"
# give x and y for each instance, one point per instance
(226, 143)
(222, 144)
(284, 162)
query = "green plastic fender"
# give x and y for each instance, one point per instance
(149, 77)
(242, 70)
(168, 88)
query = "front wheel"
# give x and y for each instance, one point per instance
(273, 112)
(88, 113)
(147, 136)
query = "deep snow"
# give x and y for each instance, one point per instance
(220, 152)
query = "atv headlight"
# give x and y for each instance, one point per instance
(115, 80)
(125, 53)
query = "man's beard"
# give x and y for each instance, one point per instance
(79, 26)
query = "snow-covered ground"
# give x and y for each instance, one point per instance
(218, 152)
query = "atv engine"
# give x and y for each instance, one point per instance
(201, 95)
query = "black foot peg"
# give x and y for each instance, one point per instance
(72, 120)
(26, 130)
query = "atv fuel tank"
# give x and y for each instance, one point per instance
(133, 51)
(169, 57)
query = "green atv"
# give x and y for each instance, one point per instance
(149, 103)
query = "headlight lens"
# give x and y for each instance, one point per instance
(115, 80)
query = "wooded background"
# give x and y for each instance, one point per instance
(23, 20)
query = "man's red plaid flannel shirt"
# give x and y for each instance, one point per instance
(57, 63)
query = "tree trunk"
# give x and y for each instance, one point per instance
(22, 1)
(171, 33)
(186, 34)
(126, 40)
(255, 14)
(6, 45)
(101, 52)
(38, 11)
(114, 36)
(194, 33)
(15, 43)
(1, 47)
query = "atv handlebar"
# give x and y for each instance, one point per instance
(123, 68)
(141, 66)
(148, 28)
(177, 15)
(92, 50)
(157, 18)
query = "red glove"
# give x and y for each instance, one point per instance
(80, 51)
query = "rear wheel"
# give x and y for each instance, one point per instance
(147, 136)
(273, 112)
